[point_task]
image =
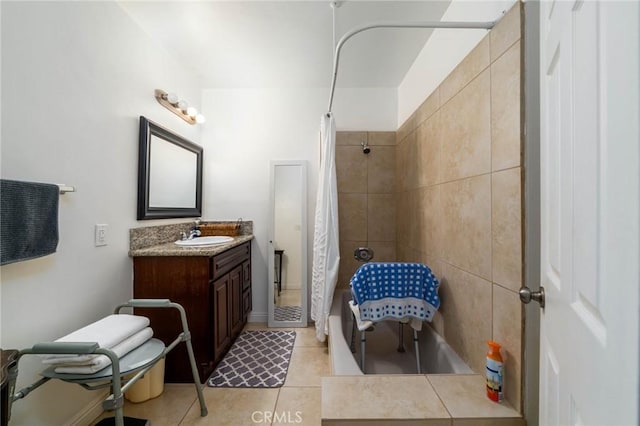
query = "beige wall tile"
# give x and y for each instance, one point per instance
(507, 330)
(382, 138)
(381, 217)
(369, 398)
(351, 169)
(384, 251)
(402, 218)
(505, 110)
(428, 151)
(406, 128)
(465, 397)
(506, 226)
(352, 215)
(466, 311)
(350, 138)
(466, 224)
(414, 255)
(402, 253)
(348, 264)
(414, 225)
(466, 131)
(472, 65)
(506, 32)
(412, 161)
(381, 173)
(407, 254)
(403, 161)
(430, 210)
(428, 107)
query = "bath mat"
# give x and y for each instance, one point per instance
(257, 359)
(287, 313)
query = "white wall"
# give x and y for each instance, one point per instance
(247, 128)
(372, 109)
(444, 50)
(75, 78)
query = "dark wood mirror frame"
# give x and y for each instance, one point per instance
(145, 210)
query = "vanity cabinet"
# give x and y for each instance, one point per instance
(215, 292)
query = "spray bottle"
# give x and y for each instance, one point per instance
(494, 370)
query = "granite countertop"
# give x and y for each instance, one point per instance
(171, 249)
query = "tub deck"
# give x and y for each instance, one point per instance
(434, 400)
(350, 397)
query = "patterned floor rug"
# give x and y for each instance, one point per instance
(287, 313)
(257, 359)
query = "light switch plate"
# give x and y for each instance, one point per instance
(101, 234)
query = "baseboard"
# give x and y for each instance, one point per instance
(91, 411)
(258, 317)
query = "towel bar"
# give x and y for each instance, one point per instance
(66, 188)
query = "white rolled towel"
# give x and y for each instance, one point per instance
(102, 361)
(107, 332)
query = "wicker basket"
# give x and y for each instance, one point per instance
(226, 229)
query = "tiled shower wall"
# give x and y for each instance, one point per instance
(366, 198)
(445, 189)
(459, 207)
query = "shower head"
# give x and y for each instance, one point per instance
(365, 147)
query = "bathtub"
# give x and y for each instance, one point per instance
(382, 356)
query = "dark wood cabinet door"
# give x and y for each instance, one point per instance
(215, 292)
(220, 312)
(246, 305)
(246, 275)
(236, 317)
(184, 280)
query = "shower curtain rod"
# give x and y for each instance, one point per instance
(375, 25)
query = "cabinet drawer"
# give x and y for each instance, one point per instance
(224, 262)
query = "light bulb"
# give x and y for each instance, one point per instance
(183, 105)
(200, 119)
(192, 112)
(172, 98)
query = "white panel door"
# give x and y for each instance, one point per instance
(590, 194)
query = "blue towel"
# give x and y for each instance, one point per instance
(28, 220)
(395, 290)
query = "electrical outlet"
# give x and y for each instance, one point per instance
(101, 234)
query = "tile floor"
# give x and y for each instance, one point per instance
(297, 402)
(289, 298)
(428, 400)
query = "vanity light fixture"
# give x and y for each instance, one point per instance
(179, 107)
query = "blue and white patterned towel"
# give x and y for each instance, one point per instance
(395, 291)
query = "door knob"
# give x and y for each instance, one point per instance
(526, 295)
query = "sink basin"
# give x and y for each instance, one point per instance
(204, 241)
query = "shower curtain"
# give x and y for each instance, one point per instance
(326, 253)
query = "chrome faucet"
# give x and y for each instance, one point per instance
(194, 233)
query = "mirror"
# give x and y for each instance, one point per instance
(169, 174)
(288, 245)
